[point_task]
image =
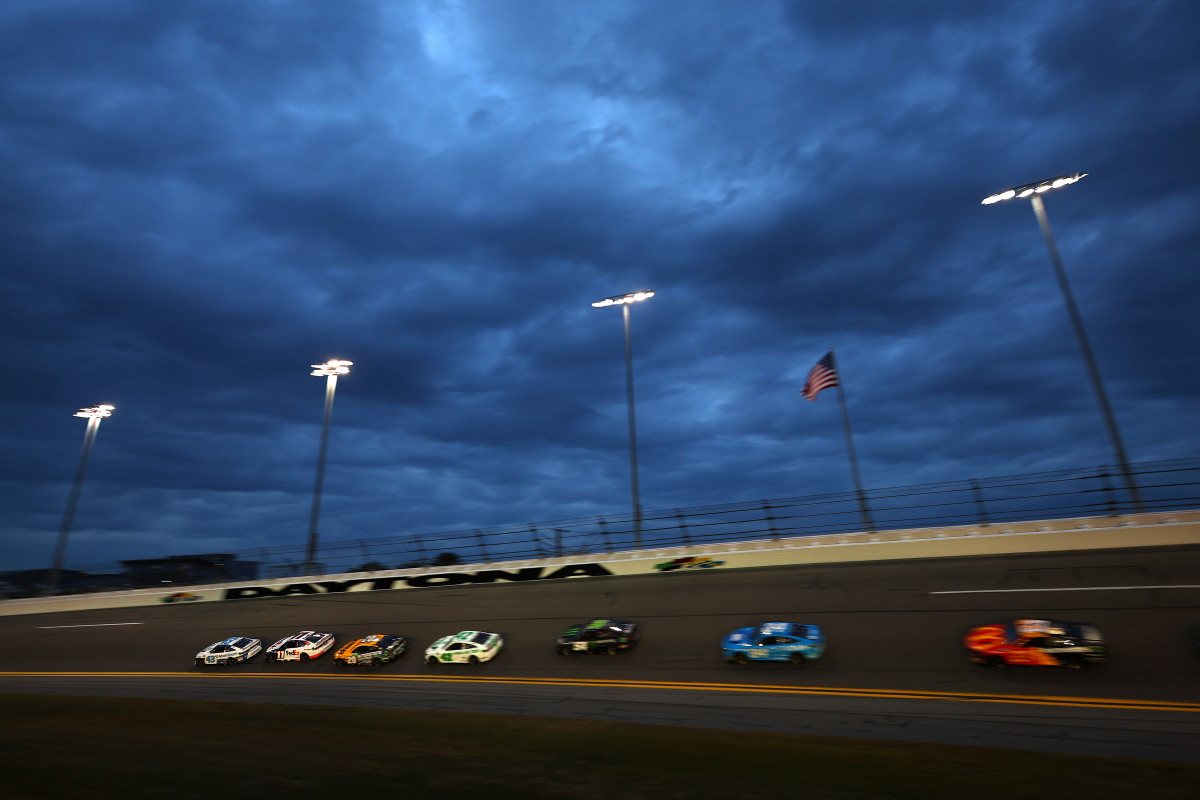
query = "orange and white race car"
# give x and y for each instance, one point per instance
(1038, 642)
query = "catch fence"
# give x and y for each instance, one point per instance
(1100, 491)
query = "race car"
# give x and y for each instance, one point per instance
(470, 647)
(300, 646)
(229, 651)
(373, 651)
(775, 641)
(1042, 642)
(598, 636)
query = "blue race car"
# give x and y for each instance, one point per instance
(774, 641)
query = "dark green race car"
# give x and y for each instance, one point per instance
(598, 636)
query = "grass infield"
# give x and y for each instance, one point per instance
(90, 747)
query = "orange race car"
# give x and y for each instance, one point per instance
(1039, 642)
(373, 651)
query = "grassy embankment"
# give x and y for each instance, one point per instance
(96, 748)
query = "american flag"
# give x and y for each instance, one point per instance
(822, 376)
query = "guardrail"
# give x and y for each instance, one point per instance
(1165, 486)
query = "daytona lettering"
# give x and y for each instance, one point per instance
(418, 581)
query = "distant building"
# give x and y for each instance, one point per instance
(32, 582)
(186, 570)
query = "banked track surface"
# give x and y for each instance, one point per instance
(894, 669)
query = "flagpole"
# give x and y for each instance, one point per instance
(863, 509)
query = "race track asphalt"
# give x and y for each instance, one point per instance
(894, 668)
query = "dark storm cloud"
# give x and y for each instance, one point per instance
(200, 199)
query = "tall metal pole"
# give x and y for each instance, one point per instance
(94, 415)
(863, 509)
(633, 460)
(1039, 210)
(310, 555)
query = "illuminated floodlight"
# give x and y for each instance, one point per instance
(330, 370)
(625, 301)
(96, 412)
(93, 415)
(1034, 192)
(332, 367)
(622, 299)
(1038, 187)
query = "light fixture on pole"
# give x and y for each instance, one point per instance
(1034, 192)
(93, 414)
(625, 300)
(330, 370)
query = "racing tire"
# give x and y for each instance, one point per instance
(337, 662)
(473, 660)
(376, 662)
(995, 662)
(431, 661)
(612, 649)
(1074, 662)
(304, 656)
(740, 658)
(199, 664)
(798, 659)
(564, 651)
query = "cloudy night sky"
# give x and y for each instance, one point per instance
(201, 199)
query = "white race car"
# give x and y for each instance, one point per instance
(300, 646)
(469, 647)
(229, 651)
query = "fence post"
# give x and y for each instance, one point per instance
(482, 546)
(770, 519)
(683, 528)
(537, 540)
(604, 533)
(1114, 509)
(979, 504)
(421, 550)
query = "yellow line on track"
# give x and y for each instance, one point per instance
(894, 694)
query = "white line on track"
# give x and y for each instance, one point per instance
(1074, 589)
(92, 625)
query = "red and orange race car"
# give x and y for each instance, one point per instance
(1040, 642)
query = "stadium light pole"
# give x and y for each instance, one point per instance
(625, 301)
(93, 414)
(330, 370)
(1034, 192)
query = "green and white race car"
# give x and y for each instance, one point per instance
(469, 647)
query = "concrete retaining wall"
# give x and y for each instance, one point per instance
(1090, 533)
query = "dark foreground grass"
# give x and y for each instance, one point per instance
(84, 747)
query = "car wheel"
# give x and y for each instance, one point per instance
(200, 663)
(739, 658)
(473, 660)
(1074, 662)
(612, 649)
(377, 662)
(798, 659)
(995, 662)
(431, 661)
(564, 650)
(304, 656)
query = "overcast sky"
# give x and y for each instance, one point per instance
(201, 199)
